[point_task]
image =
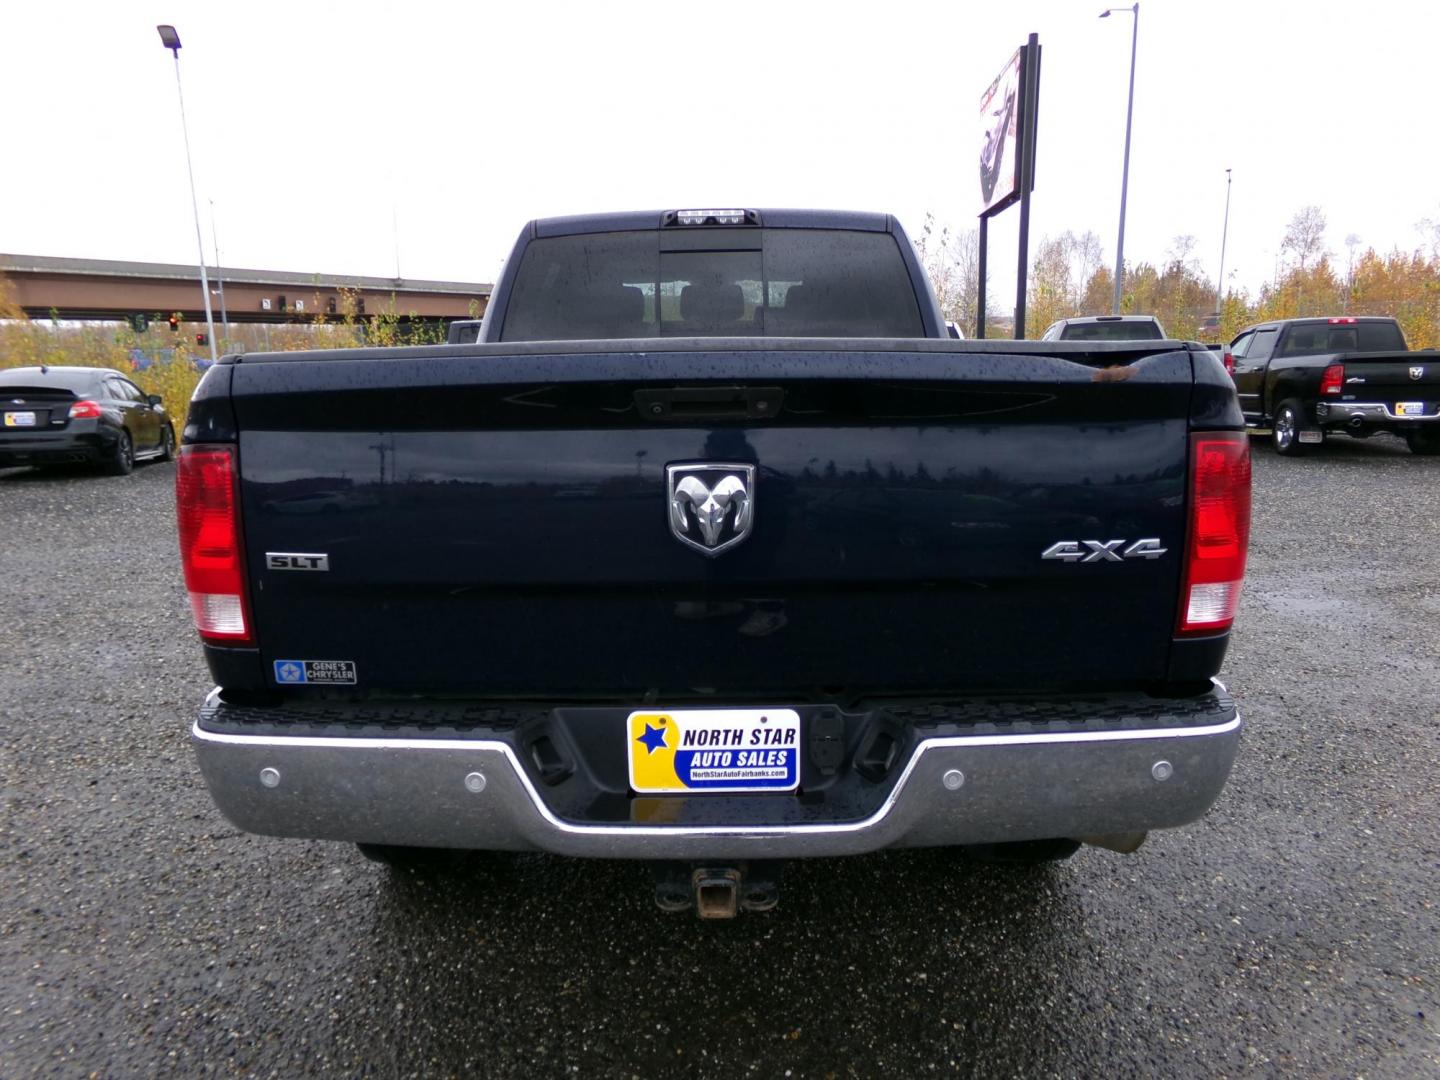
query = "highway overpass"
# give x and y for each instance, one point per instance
(67, 288)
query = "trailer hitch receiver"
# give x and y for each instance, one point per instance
(717, 892)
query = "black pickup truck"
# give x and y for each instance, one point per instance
(716, 550)
(1305, 378)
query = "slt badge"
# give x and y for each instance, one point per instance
(712, 505)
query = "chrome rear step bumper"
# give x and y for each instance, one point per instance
(953, 789)
(1339, 412)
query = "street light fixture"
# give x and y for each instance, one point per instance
(171, 40)
(1125, 174)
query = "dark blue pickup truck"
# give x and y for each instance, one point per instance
(716, 550)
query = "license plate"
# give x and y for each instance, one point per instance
(686, 750)
(1410, 408)
(19, 419)
(1312, 436)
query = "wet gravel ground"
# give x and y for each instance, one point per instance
(1294, 931)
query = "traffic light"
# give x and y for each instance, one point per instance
(201, 339)
(175, 324)
(139, 323)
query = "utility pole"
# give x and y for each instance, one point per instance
(219, 278)
(171, 40)
(1224, 235)
(1125, 172)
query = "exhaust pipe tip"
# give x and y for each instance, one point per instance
(1356, 421)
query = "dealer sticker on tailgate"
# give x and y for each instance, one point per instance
(714, 750)
(315, 672)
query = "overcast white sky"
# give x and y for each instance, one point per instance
(314, 126)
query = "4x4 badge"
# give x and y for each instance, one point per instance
(712, 504)
(1103, 550)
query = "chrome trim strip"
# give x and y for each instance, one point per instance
(560, 824)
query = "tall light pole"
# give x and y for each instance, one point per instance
(1125, 174)
(171, 40)
(1224, 235)
(219, 278)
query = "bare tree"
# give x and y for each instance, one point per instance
(1430, 230)
(1351, 243)
(1086, 256)
(1305, 236)
(1063, 266)
(1059, 272)
(1181, 250)
(952, 259)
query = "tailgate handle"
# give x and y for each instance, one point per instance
(683, 403)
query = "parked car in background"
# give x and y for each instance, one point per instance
(1106, 328)
(59, 415)
(1305, 378)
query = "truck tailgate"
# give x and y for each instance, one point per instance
(1391, 379)
(498, 522)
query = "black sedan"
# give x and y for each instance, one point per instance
(55, 415)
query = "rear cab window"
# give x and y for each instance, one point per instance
(1112, 331)
(1313, 339)
(738, 282)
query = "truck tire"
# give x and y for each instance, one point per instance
(1285, 431)
(1022, 852)
(1423, 441)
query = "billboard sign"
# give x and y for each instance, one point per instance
(1000, 124)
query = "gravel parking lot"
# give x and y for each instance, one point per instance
(1294, 931)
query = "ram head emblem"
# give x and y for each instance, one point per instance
(712, 507)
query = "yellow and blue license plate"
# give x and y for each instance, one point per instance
(19, 419)
(695, 750)
(1409, 408)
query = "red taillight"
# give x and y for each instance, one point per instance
(85, 410)
(1229, 359)
(208, 508)
(1219, 531)
(1332, 381)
